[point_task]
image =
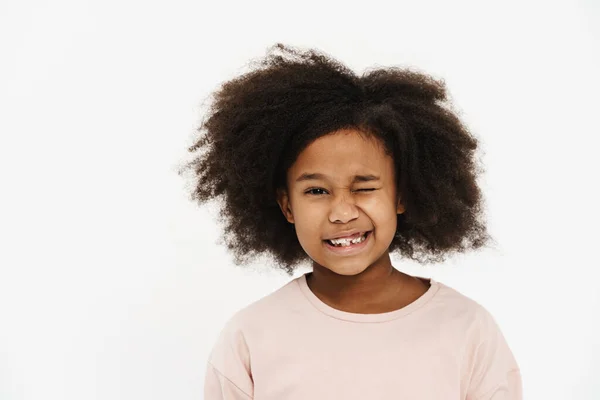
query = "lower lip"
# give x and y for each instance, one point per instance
(348, 250)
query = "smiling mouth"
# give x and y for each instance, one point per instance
(349, 243)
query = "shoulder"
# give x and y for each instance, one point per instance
(465, 322)
(483, 323)
(455, 305)
(254, 318)
(231, 353)
(488, 364)
(273, 306)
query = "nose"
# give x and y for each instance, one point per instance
(343, 210)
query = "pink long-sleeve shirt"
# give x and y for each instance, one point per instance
(290, 345)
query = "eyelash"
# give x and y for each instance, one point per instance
(359, 190)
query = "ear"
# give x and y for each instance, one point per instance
(400, 207)
(284, 203)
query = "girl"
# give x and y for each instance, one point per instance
(314, 163)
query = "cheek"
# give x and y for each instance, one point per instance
(382, 213)
(308, 224)
(377, 207)
(309, 237)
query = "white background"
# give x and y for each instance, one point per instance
(112, 285)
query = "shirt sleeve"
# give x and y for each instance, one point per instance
(218, 387)
(495, 373)
(228, 374)
(509, 389)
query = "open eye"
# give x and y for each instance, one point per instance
(311, 191)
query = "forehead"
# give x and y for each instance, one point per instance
(343, 153)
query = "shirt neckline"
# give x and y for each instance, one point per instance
(355, 317)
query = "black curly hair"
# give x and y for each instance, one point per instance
(259, 122)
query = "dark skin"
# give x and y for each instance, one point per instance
(379, 290)
(320, 208)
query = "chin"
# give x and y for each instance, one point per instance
(346, 270)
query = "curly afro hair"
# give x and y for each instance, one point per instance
(259, 122)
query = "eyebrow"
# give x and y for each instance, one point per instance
(316, 176)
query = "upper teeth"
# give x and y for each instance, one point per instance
(348, 241)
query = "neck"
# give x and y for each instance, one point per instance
(369, 288)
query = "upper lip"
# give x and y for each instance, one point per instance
(345, 234)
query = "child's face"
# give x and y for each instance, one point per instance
(323, 208)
